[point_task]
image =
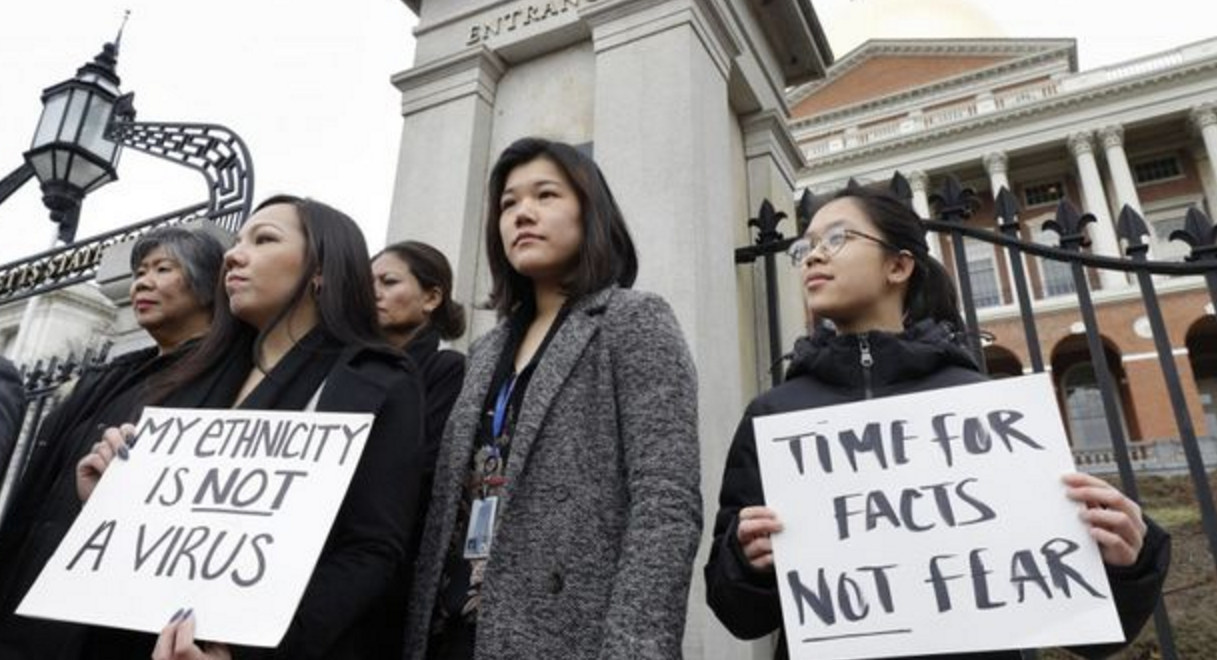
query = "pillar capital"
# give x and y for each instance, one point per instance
(1112, 136)
(1203, 116)
(1081, 143)
(475, 71)
(996, 163)
(918, 180)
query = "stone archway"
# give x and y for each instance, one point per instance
(1080, 397)
(1002, 362)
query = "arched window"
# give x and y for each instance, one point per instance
(1202, 353)
(1084, 408)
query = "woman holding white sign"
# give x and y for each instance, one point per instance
(865, 266)
(297, 330)
(174, 273)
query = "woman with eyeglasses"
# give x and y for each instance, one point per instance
(865, 267)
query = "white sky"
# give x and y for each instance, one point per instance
(306, 83)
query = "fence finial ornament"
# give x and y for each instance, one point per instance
(766, 222)
(901, 188)
(955, 202)
(1199, 233)
(1131, 227)
(1007, 208)
(1070, 226)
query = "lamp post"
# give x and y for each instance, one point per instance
(70, 153)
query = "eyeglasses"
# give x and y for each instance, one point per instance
(832, 243)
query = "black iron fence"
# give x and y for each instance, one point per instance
(45, 382)
(954, 205)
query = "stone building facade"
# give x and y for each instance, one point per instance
(1019, 114)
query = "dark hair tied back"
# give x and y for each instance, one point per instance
(931, 291)
(432, 270)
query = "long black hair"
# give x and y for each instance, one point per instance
(432, 270)
(931, 292)
(345, 298)
(606, 255)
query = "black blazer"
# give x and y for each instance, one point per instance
(443, 372)
(342, 613)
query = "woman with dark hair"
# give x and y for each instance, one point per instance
(566, 509)
(296, 329)
(866, 267)
(415, 309)
(174, 274)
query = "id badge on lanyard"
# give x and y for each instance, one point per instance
(483, 511)
(482, 515)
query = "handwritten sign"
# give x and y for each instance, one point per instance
(931, 523)
(224, 511)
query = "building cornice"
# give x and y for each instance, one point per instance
(473, 71)
(1054, 105)
(1024, 49)
(925, 93)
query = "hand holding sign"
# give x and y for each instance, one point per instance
(1115, 520)
(176, 642)
(113, 443)
(756, 525)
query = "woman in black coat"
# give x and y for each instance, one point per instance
(865, 266)
(415, 309)
(174, 274)
(296, 329)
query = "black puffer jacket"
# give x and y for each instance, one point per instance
(830, 369)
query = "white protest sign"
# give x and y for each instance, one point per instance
(224, 511)
(934, 522)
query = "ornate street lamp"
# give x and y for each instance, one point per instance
(86, 122)
(70, 154)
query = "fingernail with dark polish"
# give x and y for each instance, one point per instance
(123, 453)
(176, 615)
(189, 613)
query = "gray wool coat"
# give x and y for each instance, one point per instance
(599, 523)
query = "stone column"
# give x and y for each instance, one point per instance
(1102, 231)
(997, 165)
(1204, 120)
(447, 114)
(920, 184)
(1117, 162)
(669, 143)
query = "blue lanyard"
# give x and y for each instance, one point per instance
(500, 406)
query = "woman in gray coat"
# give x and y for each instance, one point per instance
(566, 509)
